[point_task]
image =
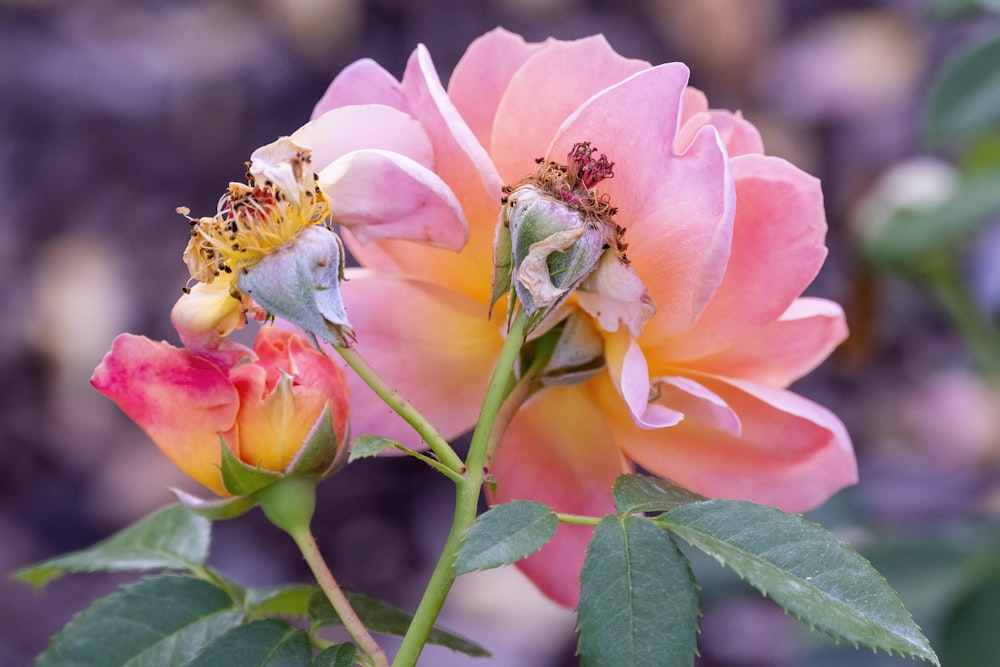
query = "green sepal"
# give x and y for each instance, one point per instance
(215, 509)
(503, 262)
(174, 538)
(324, 451)
(241, 479)
(378, 616)
(289, 504)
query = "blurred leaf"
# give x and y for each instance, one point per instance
(965, 97)
(378, 616)
(642, 493)
(364, 446)
(505, 534)
(958, 8)
(982, 157)
(805, 569)
(265, 643)
(970, 634)
(159, 622)
(341, 655)
(638, 601)
(171, 539)
(287, 600)
(911, 236)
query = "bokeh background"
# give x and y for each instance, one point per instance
(113, 113)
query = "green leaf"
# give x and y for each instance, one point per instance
(265, 643)
(364, 446)
(215, 508)
(171, 539)
(638, 600)
(340, 655)
(506, 534)
(805, 569)
(642, 493)
(158, 621)
(965, 97)
(378, 616)
(241, 479)
(287, 600)
(970, 636)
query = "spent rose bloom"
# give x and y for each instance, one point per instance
(701, 327)
(266, 409)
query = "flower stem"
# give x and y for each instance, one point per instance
(979, 334)
(402, 407)
(307, 545)
(466, 500)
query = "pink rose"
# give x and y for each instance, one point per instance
(264, 410)
(702, 331)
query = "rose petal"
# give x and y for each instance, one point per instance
(779, 353)
(357, 127)
(614, 294)
(183, 402)
(678, 209)
(630, 374)
(433, 345)
(380, 194)
(481, 77)
(559, 451)
(778, 247)
(545, 91)
(362, 82)
(792, 453)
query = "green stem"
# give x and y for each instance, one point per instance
(578, 519)
(466, 501)
(979, 334)
(402, 407)
(307, 545)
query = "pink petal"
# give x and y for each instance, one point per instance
(480, 78)
(677, 209)
(779, 353)
(357, 127)
(738, 134)
(545, 91)
(696, 402)
(380, 194)
(778, 247)
(183, 402)
(433, 345)
(362, 82)
(630, 374)
(792, 453)
(559, 451)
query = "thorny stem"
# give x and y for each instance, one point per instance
(402, 407)
(467, 500)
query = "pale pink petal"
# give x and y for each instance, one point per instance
(693, 102)
(559, 451)
(696, 402)
(783, 351)
(738, 134)
(356, 127)
(792, 453)
(362, 82)
(380, 194)
(182, 401)
(677, 209)
(630, 374)
(614, 295)
(545, 91)
(431, 344)
(778, 247)
(481, 77)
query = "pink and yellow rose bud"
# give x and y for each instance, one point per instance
(283, 413)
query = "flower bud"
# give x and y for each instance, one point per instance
(552, 232)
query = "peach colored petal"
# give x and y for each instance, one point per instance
(183, 402)
(481, 77)
(355, 127)
(792, 453)
(783, 351)
(559, 451)
(615, 295)
(778, 247)
(362, 82)
(630, 374)
(380, 194)
(545, 91)
(677, 209)
(433, 345)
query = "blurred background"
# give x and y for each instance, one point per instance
(113, 113)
